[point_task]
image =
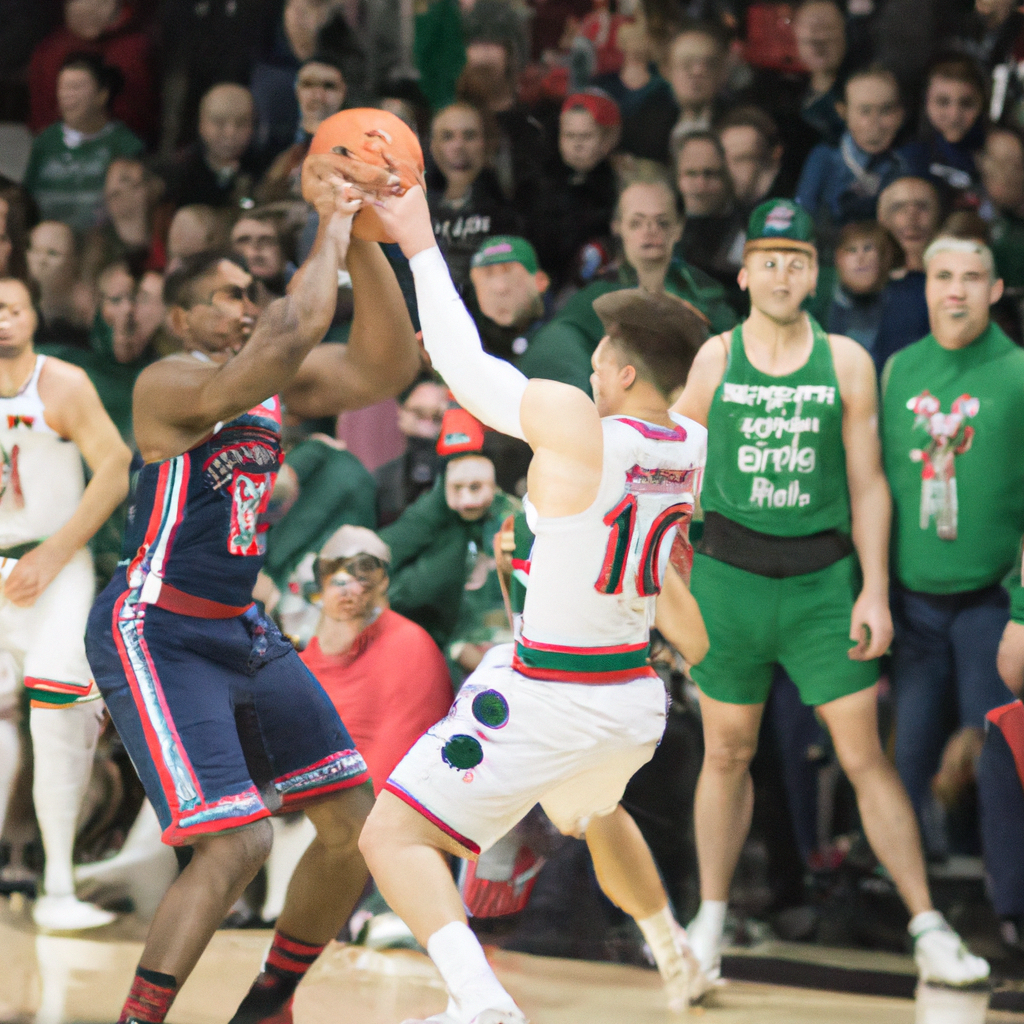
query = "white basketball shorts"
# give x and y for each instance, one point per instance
(47, 639)
(510, 742)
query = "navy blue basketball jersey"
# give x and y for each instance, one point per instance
(195, 536)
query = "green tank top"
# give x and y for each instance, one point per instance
(776, 460)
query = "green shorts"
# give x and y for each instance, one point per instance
(801, 623)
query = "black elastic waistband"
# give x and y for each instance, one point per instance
(767, 555)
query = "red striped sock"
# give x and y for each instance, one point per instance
(150, 997)
(288, 956)
(269, 999)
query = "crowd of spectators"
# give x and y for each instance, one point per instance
(572, 147)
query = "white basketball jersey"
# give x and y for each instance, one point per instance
(594, 576)
(41, 473)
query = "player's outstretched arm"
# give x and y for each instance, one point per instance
(381, 357)
(558, 421)
(177, 402)
(870, 501)
(679, 619)
(79, 416)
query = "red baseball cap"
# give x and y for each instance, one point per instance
(603, 108)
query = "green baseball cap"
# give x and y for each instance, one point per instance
(506, 249)
(780, 224)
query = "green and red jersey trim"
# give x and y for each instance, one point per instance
(591, 665)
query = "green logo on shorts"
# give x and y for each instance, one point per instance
(462, 752)
(491, 709)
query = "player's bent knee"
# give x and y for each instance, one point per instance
(729, 756)
(245, 848)
(393, 824)
(339, 818)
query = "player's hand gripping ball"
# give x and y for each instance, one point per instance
(372, 146)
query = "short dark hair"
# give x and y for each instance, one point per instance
(328, 58)
(714, 30)
(658, 334)
(179, 286)
(958, 67)
(890, 254)
(749, 116)
(678, 143)
(105, 75)
(873, 70)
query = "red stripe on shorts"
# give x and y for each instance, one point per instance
(409, 799)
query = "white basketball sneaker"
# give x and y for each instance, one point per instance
(68, 914)
(941, 956)
(689, 985)
(484, 1017)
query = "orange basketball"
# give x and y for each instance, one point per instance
(380, 139)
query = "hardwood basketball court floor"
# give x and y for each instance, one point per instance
(51, 979)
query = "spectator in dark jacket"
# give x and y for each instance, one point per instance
(714, 233)
(840, 184)
(910, 209)
(466, 201)
(220, 168)
(574, 201)
(401, 481)
(953, 131)
(640, 92)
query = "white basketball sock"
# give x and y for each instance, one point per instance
(705, 934)
(659, 930)
(64, 743)
(460, 958)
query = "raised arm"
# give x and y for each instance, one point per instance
(870, 501)
(381, 357)
(80, 417)
(558, 421)
(178, 401)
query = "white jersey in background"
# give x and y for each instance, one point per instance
(42, 480)
(594, 576)
(41, 473)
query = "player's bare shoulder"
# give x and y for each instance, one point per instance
(855, 369)
(706, 373)
(60, 379)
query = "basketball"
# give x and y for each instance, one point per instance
(378, 138)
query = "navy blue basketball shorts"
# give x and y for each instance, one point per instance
(223, 722)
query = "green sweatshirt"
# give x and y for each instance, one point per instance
(561, 349)
(432, 553)
(67, 181)
(335, 489)
(952, 438)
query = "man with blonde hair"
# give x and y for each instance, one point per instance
(952, 433)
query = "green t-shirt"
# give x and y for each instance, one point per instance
(67, 181)
(952, 441)
(776, 461)
(561, 349)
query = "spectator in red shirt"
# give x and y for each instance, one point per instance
(111, 29)
(383, 673)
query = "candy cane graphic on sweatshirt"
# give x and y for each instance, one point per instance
(950, 436)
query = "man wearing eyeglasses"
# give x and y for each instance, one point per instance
(223, 723)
